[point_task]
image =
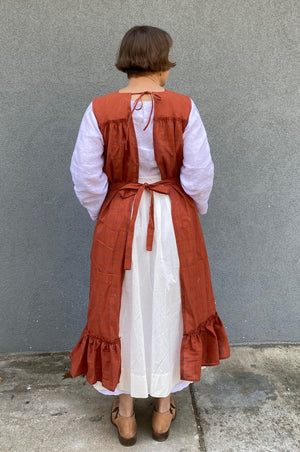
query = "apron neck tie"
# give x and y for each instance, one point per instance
(153, 96)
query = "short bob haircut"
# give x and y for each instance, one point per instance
(144, 49)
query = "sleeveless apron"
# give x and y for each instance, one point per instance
(97, 354)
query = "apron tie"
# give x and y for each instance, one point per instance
(136, 190)
(153, 96)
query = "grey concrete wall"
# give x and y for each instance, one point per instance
(237, 60)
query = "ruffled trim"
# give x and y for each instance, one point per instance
(98, 359)
(205, 346)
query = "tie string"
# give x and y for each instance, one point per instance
(136, 189)
(153, 96)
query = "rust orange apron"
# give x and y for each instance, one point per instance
(97, 354)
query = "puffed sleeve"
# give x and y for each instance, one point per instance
(197, 171)
(90, 182)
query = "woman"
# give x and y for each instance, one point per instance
(142, 168)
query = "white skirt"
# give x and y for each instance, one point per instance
(150, 323)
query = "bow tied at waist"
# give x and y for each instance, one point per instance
(136, 189)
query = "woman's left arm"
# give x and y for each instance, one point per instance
(90, 182)
(197, 171)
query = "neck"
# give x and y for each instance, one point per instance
(144, 83)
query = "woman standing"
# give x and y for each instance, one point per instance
(142, 167)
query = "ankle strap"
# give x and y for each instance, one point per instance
(116, 410)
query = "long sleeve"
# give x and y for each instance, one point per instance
(197, 171)
(90, 182)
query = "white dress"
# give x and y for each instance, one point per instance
(150, 323)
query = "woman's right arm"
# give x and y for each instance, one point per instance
(90, 182)
(197, 171)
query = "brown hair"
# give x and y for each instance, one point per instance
(144, 49)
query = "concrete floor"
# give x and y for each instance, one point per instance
(248, 403)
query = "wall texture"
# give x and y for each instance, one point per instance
(237, 60)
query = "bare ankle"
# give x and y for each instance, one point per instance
(162, 404)
(125, 405)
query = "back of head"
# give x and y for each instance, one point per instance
(144, 49)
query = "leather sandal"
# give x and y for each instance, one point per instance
(161, 421)
(126, 425)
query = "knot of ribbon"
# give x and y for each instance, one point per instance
(153, 96)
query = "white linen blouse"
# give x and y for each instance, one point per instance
(91, 183)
